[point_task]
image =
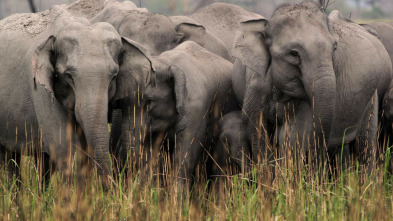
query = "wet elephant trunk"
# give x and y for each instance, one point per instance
(320, 86)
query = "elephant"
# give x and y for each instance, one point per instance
(232, 149)
(178, 95)
(223, 20)
(156, 32)
(324, 81)
(58, 75)
(384, 31)
(88, 8)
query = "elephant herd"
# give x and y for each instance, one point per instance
(221, 80)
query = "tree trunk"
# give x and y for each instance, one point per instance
(1, 10)
(32, 6)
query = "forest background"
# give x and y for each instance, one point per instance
(358, 10)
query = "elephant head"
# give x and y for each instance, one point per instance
(151, 95)
(135, 73)
(154, 31)
(78, 67)
(191, 31)
(302, 50)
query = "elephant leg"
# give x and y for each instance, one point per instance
(187, 155)
(367, 135)
(45, 167)
(340, 158)
(244, 160)
(219, 165)
(11, 161)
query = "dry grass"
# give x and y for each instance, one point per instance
(296, 191)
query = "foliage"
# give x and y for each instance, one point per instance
(374, 13)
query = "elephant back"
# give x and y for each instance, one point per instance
(223, 20)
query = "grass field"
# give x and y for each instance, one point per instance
(297, 191)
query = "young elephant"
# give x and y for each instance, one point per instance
(178, 95)
(58, 74)
(156, 32)
(232, 150)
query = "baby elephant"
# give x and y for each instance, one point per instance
(232, 152)
(177, 98)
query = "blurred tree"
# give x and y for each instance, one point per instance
(372, 2)
(357, 3)
(33, 8)
(1, 10)
(201, 4)
(355, 8)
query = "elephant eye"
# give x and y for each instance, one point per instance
(293, 53)
(68, 77)
(293, 57)
(148, 100)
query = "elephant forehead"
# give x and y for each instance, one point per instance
(308, 8)
(88, 42)
(296, 14)
(86, 32)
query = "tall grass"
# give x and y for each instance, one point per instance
(296, 191)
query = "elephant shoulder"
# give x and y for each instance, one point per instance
(199, 61)
(31, 24)
(223, 20)
(88, 9)
(228, 12)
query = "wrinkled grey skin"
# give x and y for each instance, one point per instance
(58, 75)
(223, 20)
(233, 148)
(326, 71)
(238, 29)
(156, 32)
(384, 31)
(178, 95)
(251, 56)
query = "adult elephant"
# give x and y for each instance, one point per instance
(178, 95)
(236, 27)
(58, 75)
(223, 20)
(384, 31)
(156, 32)
(325, 71)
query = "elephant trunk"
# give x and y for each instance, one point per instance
(133, 133)
(92, 114)
(320, 86)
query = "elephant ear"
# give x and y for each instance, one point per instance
(42, 68)
(185, 30)
(371, 30)
(136, 69)
(250, 47)
(180, 89)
